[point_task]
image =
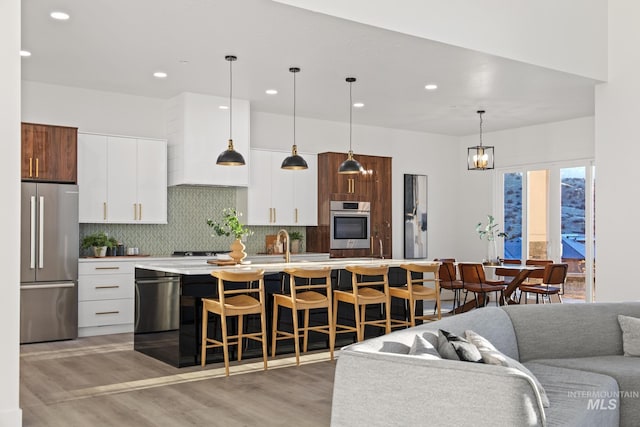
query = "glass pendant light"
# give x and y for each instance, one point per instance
(480, 157)
(351, 165)
(294, 161)
(230, 157)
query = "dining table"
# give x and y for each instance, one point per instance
(522, 272)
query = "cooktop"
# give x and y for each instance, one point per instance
(199, 253)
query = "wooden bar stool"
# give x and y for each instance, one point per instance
(415, 290)
(306, 293)
(364, 293)
(235, 302)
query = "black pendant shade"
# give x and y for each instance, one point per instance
(294, 161)
(351, 165)
(230, 157)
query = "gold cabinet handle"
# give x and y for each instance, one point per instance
(270, 215)
(107, 312)
(107, 287)
(37, 166)
(135, 211)
(274, 215)
(30, 167)
(104, 210)
(107, 268)
(296, 213)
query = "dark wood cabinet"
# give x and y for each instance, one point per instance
(373, 185)
(49, 153)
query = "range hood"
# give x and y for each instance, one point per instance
(198, 131)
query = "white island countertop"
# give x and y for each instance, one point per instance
(199, 267)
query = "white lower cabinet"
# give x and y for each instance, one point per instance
(105, 297)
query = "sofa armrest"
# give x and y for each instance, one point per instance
(384, 389)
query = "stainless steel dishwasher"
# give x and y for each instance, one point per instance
(157, 301)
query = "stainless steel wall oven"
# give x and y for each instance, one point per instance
(350, 225)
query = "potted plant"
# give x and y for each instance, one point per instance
(296, 239)
(99, 242)
(490, 233)
(231, 225)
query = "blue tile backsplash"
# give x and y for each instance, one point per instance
(189, 207)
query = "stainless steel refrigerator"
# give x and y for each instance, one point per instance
(49, 262)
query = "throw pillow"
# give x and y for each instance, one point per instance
(423, 348)
(451, 346)
(492, 356)
(630, 335)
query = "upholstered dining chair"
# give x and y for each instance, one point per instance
(474, 280)
(553, 279)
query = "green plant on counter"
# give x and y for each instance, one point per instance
(489, 231)
(97, 240)
(296, 235)
(230, 224)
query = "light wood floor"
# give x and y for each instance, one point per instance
(102, 381)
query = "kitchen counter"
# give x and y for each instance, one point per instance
(169, 308)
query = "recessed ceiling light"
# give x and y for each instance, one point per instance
(223, 107)
(358, 104)
(431, 86)
(160, 74)
(271, 92)
(25, 53)
(60, 16)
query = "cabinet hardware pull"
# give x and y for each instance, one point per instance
(371, 245)
(274, 215)
(135, 211)
(30, 167)
(107, 287)
(107, 312)
(140, 211)
(296, 210)
(37, 166)
(107, 268)
(104, 210)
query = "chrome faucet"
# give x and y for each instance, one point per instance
(287, 244)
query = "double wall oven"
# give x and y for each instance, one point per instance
(350, 225)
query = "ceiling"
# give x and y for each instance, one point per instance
(116, 45)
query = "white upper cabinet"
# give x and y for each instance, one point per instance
(198, 132)
(279, 197)
(122, 179)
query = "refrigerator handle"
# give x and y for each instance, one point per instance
(32, 236)
(41, 235)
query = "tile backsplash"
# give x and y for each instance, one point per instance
(189, 208)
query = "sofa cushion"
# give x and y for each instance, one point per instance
(572, 394)
(493, 356)
(423, 348)
(630, 335)
(454, 347)
(568, 330)
(625, 370)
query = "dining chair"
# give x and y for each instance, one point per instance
(425, 287)
(553, 279)
(369, 285)
(233, 301)
(474, 280)
(310, 289)
(449, 281)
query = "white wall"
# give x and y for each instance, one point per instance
(567, 35)
(412, 152)
(10, 413)
(551, 142)
(617, 154)
(93, 110)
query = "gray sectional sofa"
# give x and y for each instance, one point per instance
(574, 350)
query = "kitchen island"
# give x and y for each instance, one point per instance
(168, 306)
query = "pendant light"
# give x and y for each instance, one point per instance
(481, 156)
(230, 157)
(294, 161)
(351, 165)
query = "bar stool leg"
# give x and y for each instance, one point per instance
(225, 344)
(306, 330)
(203, 350)
(240, 331)
(296, 335)
(274, 333)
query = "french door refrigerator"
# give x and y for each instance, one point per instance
(49, 262)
